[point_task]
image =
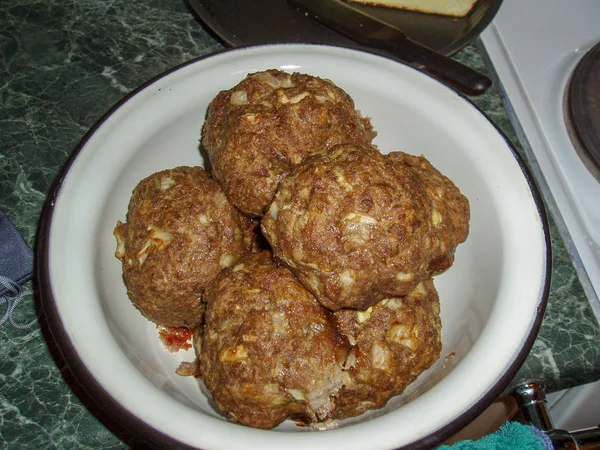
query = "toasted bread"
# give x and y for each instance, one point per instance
(454, 8)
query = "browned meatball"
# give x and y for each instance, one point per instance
(269, 350)
(181, 231)
(450, 214)
(352, 228)
(393, 341)
(257, 131)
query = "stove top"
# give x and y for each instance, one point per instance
(534, 47)
(582, 110)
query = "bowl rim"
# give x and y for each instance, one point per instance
(144, 431)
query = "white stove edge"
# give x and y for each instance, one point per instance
(522, 117)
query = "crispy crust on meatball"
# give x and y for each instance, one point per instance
(181, 231)
(450, 215)
(393, 341)
(257, 131)
(353, 229)
(269, 349)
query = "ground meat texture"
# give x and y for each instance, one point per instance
(257, 131)
(181, 231)
(353, 229)
(393, 341)
(450, 215)
(269, 350)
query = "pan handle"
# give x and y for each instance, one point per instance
(444, 68)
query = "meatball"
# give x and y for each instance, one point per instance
(351, 227)
(181, 231)
(269, 349)
(393, 341)
(450, 215)
(256, 132)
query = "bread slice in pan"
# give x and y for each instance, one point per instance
(456, 8)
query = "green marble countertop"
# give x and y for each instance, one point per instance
(63, 63)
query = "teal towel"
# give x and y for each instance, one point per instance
(511, 436)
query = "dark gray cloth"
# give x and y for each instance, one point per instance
(16, 257)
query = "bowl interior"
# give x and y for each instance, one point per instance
(489, 297)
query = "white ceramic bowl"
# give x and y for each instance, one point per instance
(492, 299)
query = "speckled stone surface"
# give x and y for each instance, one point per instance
(63, 63)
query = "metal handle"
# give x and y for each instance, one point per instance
(369, 31)
(531, 400)
(457, 75)
(460, 76)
